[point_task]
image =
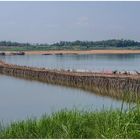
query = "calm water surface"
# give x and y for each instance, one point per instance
(20, 98)
(94, 62)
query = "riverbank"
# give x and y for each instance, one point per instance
(77, 124)
(62, 52)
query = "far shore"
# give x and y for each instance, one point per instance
(61, 52)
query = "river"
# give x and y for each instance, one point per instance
(21, 98)
(96, 62)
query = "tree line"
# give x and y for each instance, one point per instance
(10, 43)
(104, 43)
(114, 43)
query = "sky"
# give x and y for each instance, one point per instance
(49, 22)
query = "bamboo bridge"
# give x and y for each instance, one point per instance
(114, 85)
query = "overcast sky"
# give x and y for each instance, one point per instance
(48, 22)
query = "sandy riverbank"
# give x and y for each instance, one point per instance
(61, 52)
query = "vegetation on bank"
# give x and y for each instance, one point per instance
(78, 124)
(73, 45)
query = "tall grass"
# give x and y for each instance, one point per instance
(78, 124)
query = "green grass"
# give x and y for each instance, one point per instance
(78, 124)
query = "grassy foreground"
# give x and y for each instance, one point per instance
(76, 124)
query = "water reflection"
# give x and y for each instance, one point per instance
(96, 62)
(98, 56)
(20, 99)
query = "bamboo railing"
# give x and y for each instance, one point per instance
(114, 85)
